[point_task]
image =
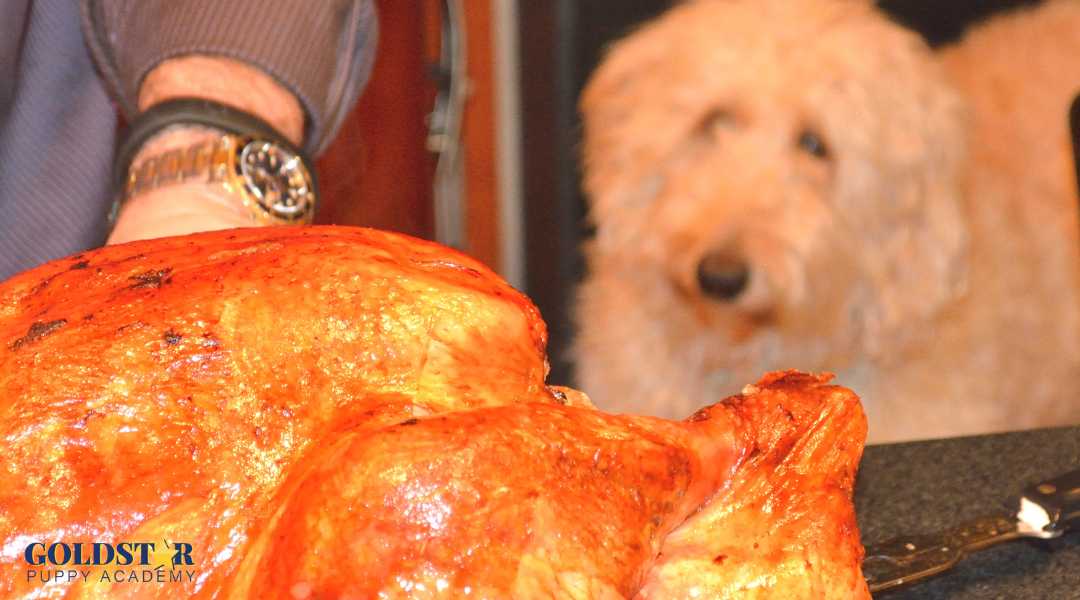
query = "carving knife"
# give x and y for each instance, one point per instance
(1047, 509)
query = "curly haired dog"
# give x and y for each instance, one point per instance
(802, 183)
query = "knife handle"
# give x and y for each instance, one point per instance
(1060, 498)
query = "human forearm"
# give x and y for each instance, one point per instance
(298, 65)
(228, 82)
(196, 206)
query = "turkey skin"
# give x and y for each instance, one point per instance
(334, 412)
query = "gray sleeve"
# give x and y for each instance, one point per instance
(321, 50)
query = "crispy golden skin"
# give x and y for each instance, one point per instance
(785, 526)
(333, 412)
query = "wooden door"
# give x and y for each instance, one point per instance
(378, 172)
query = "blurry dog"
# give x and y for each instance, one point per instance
(802, 183)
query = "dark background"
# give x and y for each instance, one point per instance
(561, 43)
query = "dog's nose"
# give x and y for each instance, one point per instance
(723, 276)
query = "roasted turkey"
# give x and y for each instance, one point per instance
(346, 413)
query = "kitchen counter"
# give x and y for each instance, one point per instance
(923, 487)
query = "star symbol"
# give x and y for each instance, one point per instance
(161, 556)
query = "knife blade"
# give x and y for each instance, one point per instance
(1047, 509)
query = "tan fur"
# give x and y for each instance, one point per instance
(930, 258)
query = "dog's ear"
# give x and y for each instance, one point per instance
(619, 137)
(902, 188)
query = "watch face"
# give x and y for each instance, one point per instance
(278, 180)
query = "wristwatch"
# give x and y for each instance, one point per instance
(273, 182)
(268, 173)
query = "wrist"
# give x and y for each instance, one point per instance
(183, 208)
(172, 138)
(235, 169)
(178, 210)
(260, 108)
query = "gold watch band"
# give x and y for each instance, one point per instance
(206, 162)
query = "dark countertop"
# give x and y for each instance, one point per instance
(923, 487)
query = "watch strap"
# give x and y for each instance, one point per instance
(206, 162)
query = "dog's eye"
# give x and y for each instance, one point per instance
(811, 142)
(716, 118)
